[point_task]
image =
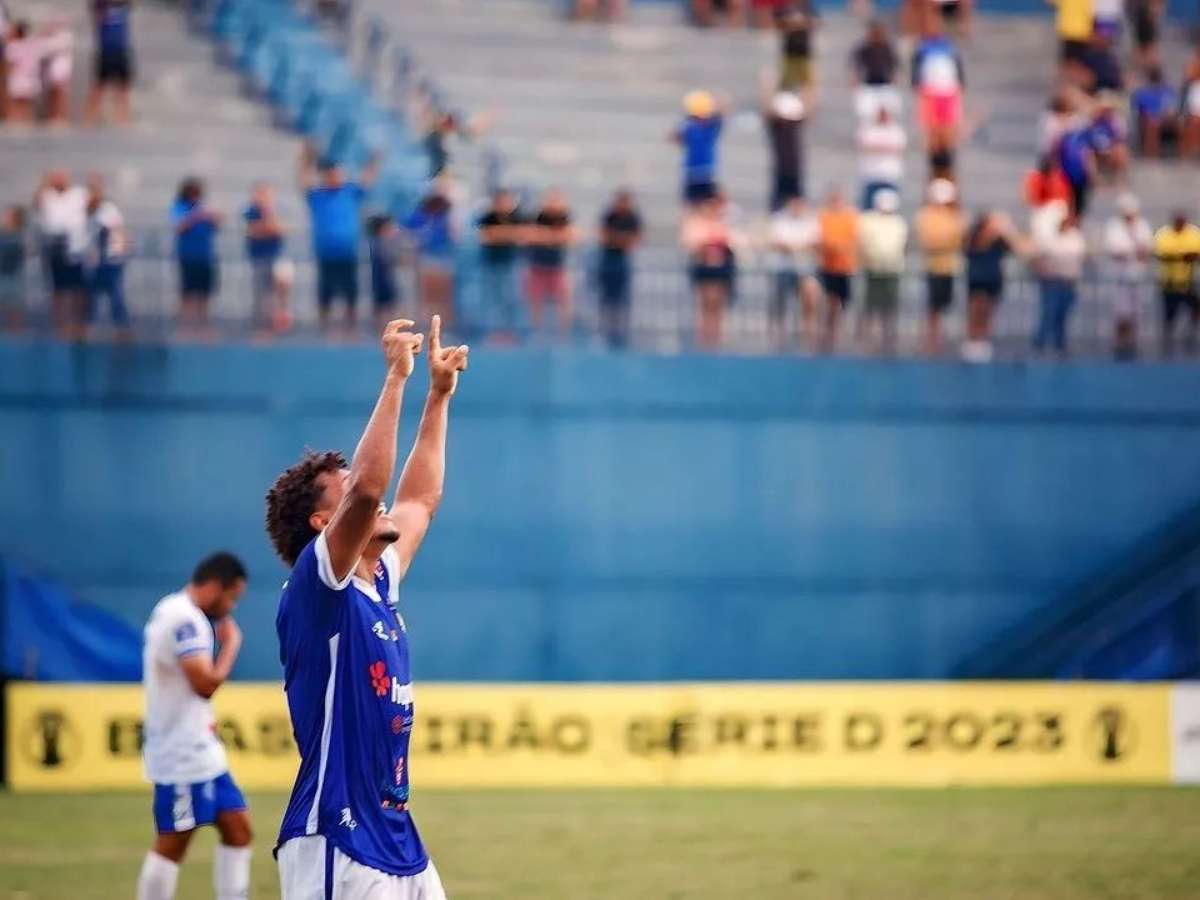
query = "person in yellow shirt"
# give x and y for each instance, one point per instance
(1074, 22)
(940, 227)
(1177, 248)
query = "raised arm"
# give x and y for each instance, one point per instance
(306, 170)
(353, 522)
(420, 489)
(204, 673)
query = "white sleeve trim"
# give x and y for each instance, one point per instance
(325, 566)
(391, 562)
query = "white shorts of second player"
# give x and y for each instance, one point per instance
(303, 875)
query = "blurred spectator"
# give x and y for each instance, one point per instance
(1059, 118)
(954, 15)
(109, 248)
(873, 67)
(1108, 17)
(383, 256)
(62, 217)
(707, 13)
(1047, 184)
(620, 233)
(1099, 69)
(1129, 245)
(698, 136)
(501, 233)
(23, 54)
(58, 55)
(114, 69)
(1145, 16)
(270, 273)
(1074, 23)
(881, 146)
(431, 225)
(1060, 266)
(882, 239)
(1177, 249)
(1106, 134)
(1189, 127)
(444, 126)
(765, 13)
(992, 237)
(839, 260)
(547, 280)
(335, 206)
(796, 23)
(601, 10)
(12, 268)
(1154, 106)
(1078, 162)
(784, 120)
(940, 228)
(939, 79)
(710, 243)
(196, 229)
(793, 236)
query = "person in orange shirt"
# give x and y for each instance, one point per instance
(1046, 184)
(839, 259)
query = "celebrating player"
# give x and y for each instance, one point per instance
(347, 833)
(183, 756)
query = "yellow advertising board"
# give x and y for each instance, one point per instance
(778, 734)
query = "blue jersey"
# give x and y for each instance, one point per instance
(346, 674)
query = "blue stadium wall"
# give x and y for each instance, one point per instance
(621, 517)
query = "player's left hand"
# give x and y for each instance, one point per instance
(444, 362)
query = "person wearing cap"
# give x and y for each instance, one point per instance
(335, 207)
(940, 228)
(1129, 247)
(881, 146)
(992, 237)
(698, 135)
(783, 117)
(882, 239)
(1177, 249)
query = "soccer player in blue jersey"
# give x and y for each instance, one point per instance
(347, 833)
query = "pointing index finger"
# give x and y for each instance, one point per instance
(435, 336)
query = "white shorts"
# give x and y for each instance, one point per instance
(302, 876)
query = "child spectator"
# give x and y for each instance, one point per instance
(383, 255)
(108, 252)
(23, 55)
(881, 146)
(547, 279)
(710, 243)
(1060, 266)
(620, 233)
(265, 235)
(1177, 249)
(940, 228)
(501, 233)
(873, 67)
(990, 240)
(839, 261)
(114, 59)
(1154, 106)
(793, 236)
(1129, 246)
(883, 236)
(12, 268)
(431, 225)
(698, 135)
(196, 249)
(58, 49)
(784, 120)
(939, 79)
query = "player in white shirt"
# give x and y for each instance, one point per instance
(183, 756)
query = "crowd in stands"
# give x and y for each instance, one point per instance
(37, 64)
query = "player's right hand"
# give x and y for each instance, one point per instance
(400, 346)
(227, 632)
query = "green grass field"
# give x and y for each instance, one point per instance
(1056, 844)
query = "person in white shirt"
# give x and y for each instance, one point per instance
(793, 234)
(58, 50)
(881, 146)
(183, 756)
(23, 61)
(108, 249)
(1060, 266)
(1129, 246)
(63, 220)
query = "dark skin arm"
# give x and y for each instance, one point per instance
(204, 673)
(353, 522)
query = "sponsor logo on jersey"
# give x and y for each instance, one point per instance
(402, 694)
(379, 678)
(382, 632)
(348, 819)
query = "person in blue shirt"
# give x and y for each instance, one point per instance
(432, 230)
(1155, 105)
(196, 229)
(1078, 162)
(383, 251)
(344, 645)
(265, 236)
(114, 59)
(698, 135)
(335, 206)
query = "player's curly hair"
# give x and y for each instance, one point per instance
(292, 499)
